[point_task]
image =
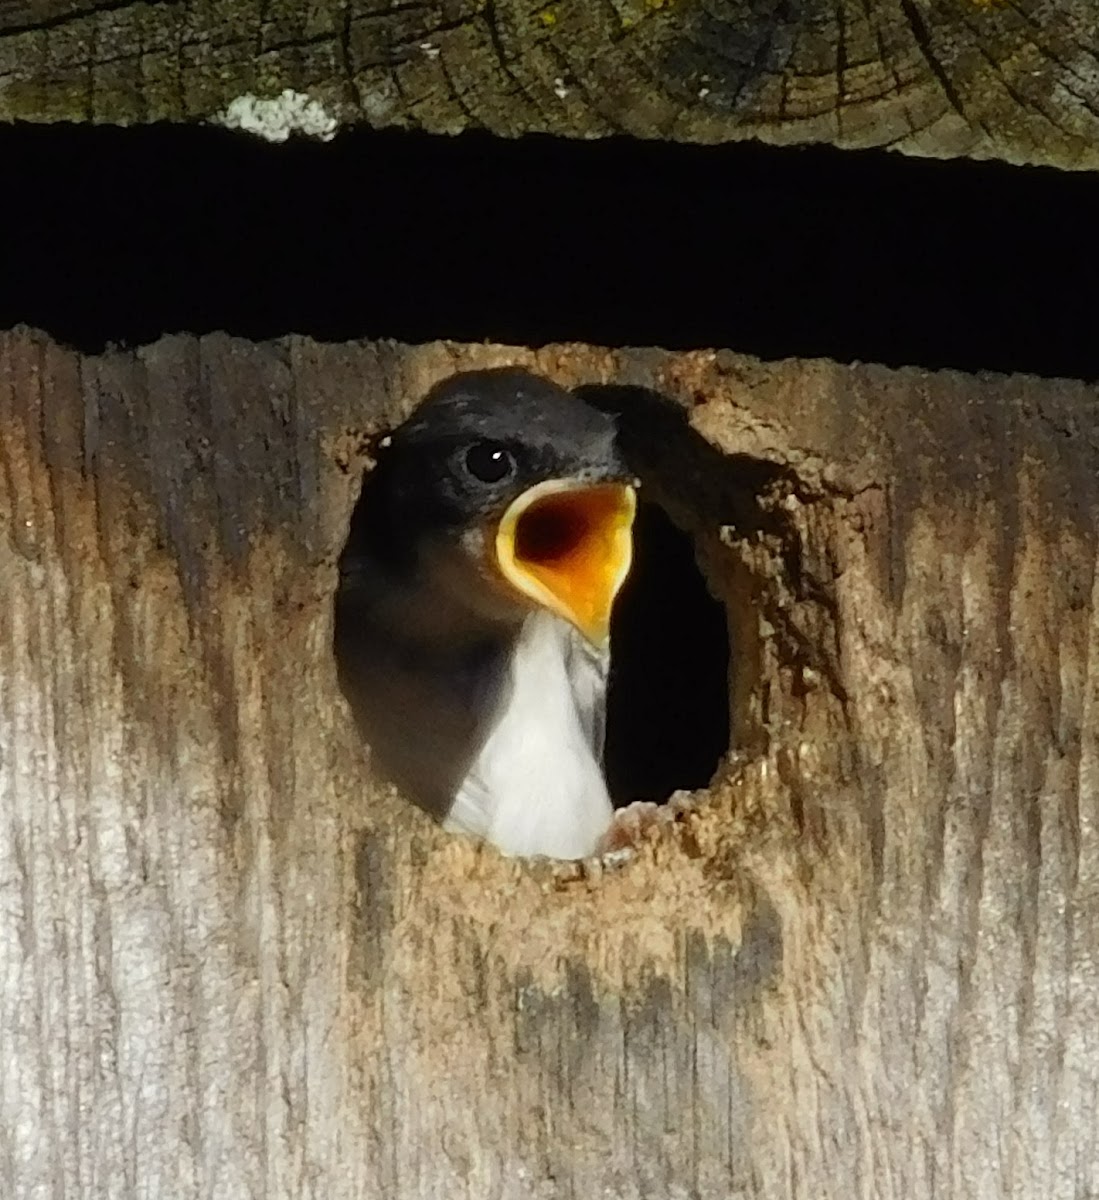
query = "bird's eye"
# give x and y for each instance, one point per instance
(489, 462)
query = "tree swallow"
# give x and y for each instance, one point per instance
(474, 605)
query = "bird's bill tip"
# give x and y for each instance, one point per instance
(568, 546)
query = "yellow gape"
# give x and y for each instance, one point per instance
(568, 546)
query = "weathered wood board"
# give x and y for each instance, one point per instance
(1010, 79)
(232, 964)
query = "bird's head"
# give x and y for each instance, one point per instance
(510, 492)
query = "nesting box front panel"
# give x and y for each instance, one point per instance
(236, 963)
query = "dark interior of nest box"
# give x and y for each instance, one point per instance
(684, 658)
(668, 698)
(115, 237)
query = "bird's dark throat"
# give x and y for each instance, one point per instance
(560, 531)
(551, 533)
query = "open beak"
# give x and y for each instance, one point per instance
(568, 546)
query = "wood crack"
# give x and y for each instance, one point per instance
(78, 14)
(346, 65)
(922, 38)
(500, 50)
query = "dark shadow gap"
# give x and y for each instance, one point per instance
(668, 700)
(117, 236)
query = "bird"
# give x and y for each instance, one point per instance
(473, 609)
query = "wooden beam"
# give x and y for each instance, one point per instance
(1011, 79)
(234, 964)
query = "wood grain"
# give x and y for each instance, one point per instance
(1010, 79)
(232, 964)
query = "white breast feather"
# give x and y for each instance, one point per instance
(536, 786)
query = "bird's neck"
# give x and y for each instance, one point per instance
(422, 678)
(423, 616)
(439, 624)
